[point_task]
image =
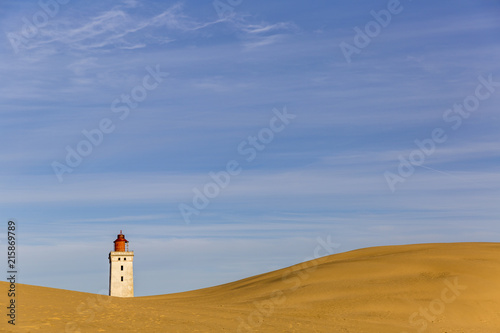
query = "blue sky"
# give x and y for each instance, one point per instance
(205, 89)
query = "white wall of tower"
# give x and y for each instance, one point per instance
(121, 274)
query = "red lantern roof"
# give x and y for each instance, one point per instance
(120, 242)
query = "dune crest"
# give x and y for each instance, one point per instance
(411, 288)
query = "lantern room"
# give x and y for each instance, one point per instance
(120, 243)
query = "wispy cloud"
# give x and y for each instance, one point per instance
(123, 27)
(120, 27)
(131, 3)
(263, 34)
(136, 218)
(263, 41)
(267, 28)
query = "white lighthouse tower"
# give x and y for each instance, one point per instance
(121, 270)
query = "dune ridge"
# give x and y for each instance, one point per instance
(445, 287)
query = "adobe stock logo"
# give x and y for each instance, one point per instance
(372, 29)
(94, 137)
(31, 28)
(249, 148)
(454, 116)
(225, 7)
(425, 315)
(296, 277)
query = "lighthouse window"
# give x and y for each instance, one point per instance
(119, 258)
(122, 278)
(122, 267)
(124, 258)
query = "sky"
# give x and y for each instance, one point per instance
(232, 138)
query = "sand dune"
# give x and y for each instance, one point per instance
(412, 288)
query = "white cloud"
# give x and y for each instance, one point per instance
(118, 27)
(263, 34)
(81, 66)
(131, 3)
(263, 41)
(266, 28)
(134, 218)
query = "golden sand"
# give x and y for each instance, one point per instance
(412, 288)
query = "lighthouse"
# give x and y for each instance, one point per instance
(121, 272)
